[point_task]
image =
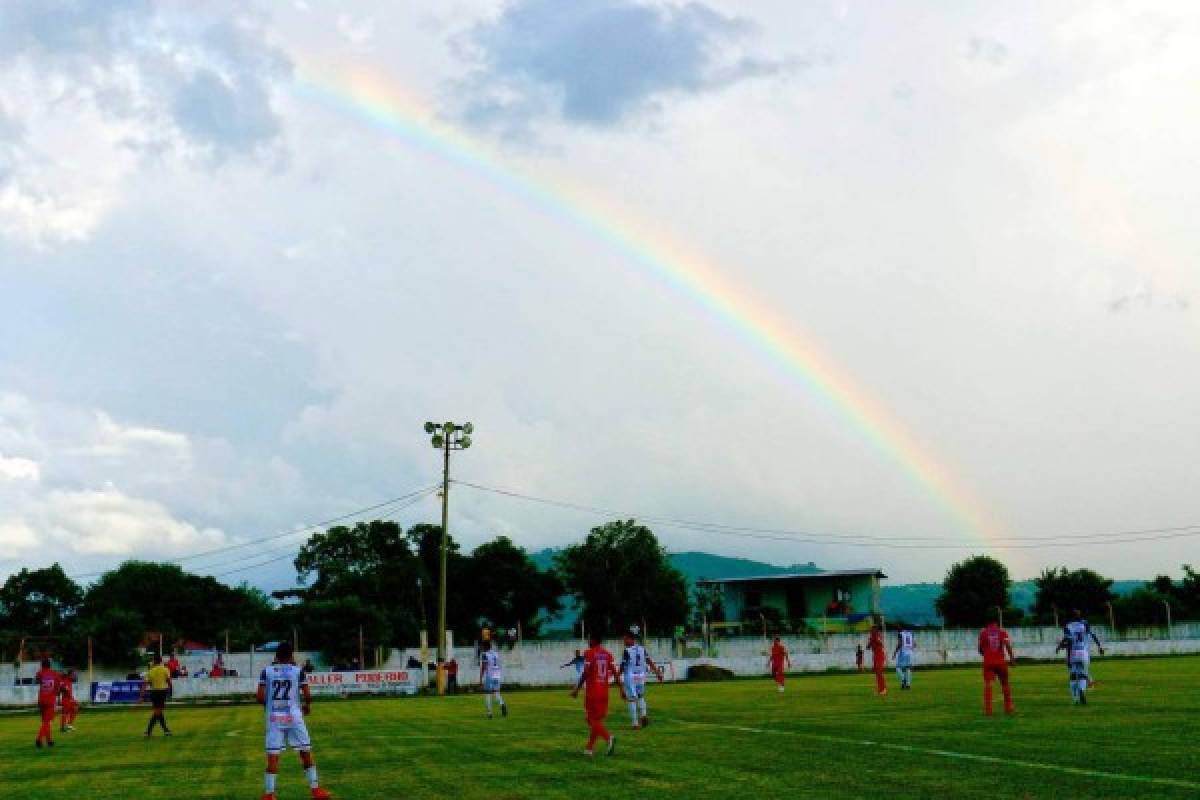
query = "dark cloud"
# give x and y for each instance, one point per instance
(594, 62)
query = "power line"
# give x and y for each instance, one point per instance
(207, 569)
(416, 494)
(864, 540)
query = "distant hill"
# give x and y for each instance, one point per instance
(912, 602)
(695, 565)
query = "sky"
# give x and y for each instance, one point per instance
(872, 275)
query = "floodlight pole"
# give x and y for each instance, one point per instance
(445, 437)
(441, 657)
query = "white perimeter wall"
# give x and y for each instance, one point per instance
(539, 663)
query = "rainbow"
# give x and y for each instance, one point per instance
(379, 102)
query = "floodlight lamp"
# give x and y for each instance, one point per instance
(439, 441)
(449, 427)
(468, 428)
(465, 442)
(430, 427)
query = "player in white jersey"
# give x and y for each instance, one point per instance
(1077, 641)
(632, 673)
(283, 691)
(490, 674)
(903, 656)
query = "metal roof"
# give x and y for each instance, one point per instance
(800, 576)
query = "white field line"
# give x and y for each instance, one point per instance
(930, 751)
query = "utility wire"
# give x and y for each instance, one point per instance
(863, 540)
(416, 494)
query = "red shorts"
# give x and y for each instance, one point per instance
(596, 707)
(777, 673)
(47, 712)
(993, 672)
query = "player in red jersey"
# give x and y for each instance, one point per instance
(878, 658)
(48, 689)
(599, 669)
(997, 652)
(779, 659)
(70, 708)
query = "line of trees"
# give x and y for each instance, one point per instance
(374, 576)
(974, 588)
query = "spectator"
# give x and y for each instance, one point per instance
(858, 658)
(452, 676)
(173, 666)
(218, 669)
(413, 663)
(308, 667)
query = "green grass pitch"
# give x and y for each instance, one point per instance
(828, 736)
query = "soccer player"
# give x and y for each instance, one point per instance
(878, 658)
(1077, 641)
(489, 677)
(48, 690)
(632, 672)
(281, 688)
(67, 698)
(997, 652)
(158, 679)
(778, 660)
(598, 671)
(903, 655)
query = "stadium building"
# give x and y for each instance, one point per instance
(825, 602)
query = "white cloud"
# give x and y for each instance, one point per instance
(91, 92)
(19, 469)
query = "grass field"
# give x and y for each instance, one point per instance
(828, 736)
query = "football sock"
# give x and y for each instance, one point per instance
(269, 782)
(311, 774)
(642, 706)
(633, 713)
(487, 703)
(499, 698)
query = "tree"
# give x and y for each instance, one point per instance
(165, 599)
(621, 575)
(372, 564)
(1066, 591)
(507, 588)
(1145, 606)
(973, 590)
(39, 602)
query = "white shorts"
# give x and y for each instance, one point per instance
(281, 737)
(491, 684)
(635, 689)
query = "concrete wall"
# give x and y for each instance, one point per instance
(540, 663)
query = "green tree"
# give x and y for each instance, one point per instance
(507, 588)
(39, 602)
(972, 590)
(179, 605)
(1145, 606)
(621, 575)
(709, 604)
(1067, 590)
(372, 564)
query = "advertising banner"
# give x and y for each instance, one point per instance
(365, 682)
(116, 691)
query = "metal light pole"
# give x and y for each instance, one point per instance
(1167, 606)
(446, 437)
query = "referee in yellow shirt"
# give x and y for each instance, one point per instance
(158, 685)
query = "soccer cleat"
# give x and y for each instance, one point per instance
(635, 726)
(1083, 698)
(49, 743)
(503, 710)
(489, 715)
(37, 743)
(588, 753)
(268, 796)
(612, 746)
(320, 794)
(883, 692)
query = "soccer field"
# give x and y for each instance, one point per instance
(828, 736)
